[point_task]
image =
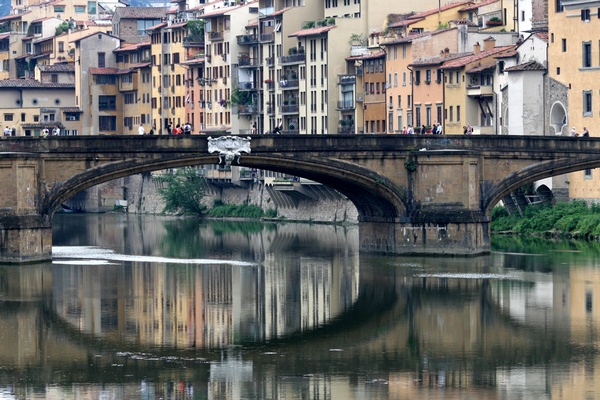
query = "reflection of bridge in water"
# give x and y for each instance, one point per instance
(413, 324)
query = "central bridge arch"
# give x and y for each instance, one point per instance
(415, 194)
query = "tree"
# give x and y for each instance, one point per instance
(183, 192)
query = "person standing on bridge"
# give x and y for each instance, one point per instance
(141, 130)
(585, 132)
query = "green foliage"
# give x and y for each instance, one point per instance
(236, 211)
(196, 27)
(62, 28)
(410, 165)
(271, 213)
(359, 39)
(240, 98)
(183, 192)
(565, 218)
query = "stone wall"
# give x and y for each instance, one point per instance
(142, 198)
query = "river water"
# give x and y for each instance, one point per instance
(164, 308)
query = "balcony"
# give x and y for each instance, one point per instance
(292, 59)
(249, 109)
(480, 91)
(290, 84)
(266, 37)
(193, 41)
(245, 61)
(247, 39)
(290, 109)
(247, 86)
(345, 105)
(215, 36)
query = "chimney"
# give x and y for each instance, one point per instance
(476, 48)
(489, 43)
(445, 53)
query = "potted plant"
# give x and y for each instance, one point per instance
(494, 21)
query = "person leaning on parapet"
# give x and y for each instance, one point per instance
(141, 130)
(585, 132)
(574, 132)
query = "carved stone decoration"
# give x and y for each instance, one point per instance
(229, 147)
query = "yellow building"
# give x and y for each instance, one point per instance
(431, 19)
(133, 59)
(168, 75)
(573, 60)
(468, 89)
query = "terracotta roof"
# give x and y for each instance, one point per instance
(406, 22)
(32, 83)
(140, 65)
(141, 12)
(157, 26)
(462, 61)
(406, 39)
(477, 5)
(4, 35)
(508, 54)
(194, 61)
(41, 19)
(542, 35)
(371, 56)
(179, 25)
(108, 71)
(93, 34)
(446, 7)
(313, 31)
(218, 12)
(131, 46)
(280, 11)
(13, 16)
(59, 67)
(532, 65)
(482, 67)
(437, 60)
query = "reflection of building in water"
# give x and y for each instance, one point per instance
(205, 306)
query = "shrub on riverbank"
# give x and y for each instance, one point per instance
(222, 210)
(571, 219)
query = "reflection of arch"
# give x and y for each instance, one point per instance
(558, 117)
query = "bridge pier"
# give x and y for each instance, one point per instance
(452, 235)
(25, 234)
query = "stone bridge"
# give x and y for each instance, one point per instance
(414, 194)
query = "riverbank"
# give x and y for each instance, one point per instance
(563, 220)
(141, 196)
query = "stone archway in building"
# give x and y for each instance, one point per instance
(558, 117)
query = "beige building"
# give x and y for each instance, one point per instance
(30, 106)
(573, 60)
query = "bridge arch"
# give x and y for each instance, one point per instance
(536, 172)
(374, 195)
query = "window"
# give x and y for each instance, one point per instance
(458, 77)
(395, 79)
(558, 6)
(522, 15)
(107, 123)
(8, 117)
(457, 113)
(399, 102)
(106, 103)
(587, 103)
(142, 25)
(404, 79)
(587, 54)
(585, 15)
(59, 9)
(500, 67)
(79, 9)
(417, 77)
(451, 114)
(54, 78)
(439, 76)
(564, 45)
(101, 60)
(428, 76)
(439, 113)
(428, 115)
(106, 79)
(557, 70)
(91, 7)
(418, 115)
(587, 174)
